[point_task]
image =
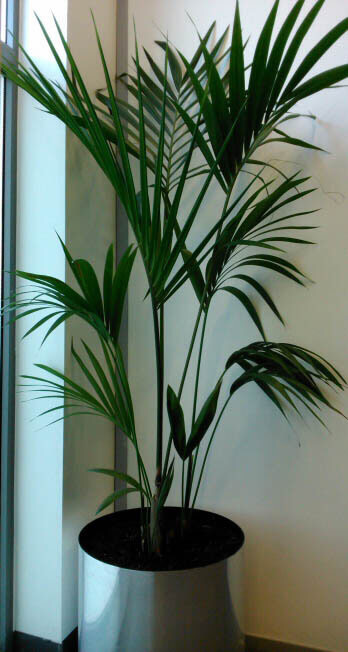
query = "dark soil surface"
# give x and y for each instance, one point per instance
(115, 539)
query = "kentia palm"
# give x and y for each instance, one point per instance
(183, 108)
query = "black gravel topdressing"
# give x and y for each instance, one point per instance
(115, 539)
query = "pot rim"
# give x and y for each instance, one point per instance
(123, 514)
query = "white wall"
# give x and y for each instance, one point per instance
(39, 453)
(290, 500)
(59, 189)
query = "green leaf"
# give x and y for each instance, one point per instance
(257, 75)
(210, 115)
(107, 284)
(203, 421)
(291, 53)
(40, 323)
(72, 387)
(121, 476)
(166, 486)
(130, 202)
(313, 57)
(244, 299)
(201, 142)
(279, 367)
(156, 204)
(104, 381)
(57, 323)
(174, 64)
(122, 396)
(89, 285)
(278, 261)
(145, 221)
(113, 497)
(268, 205)
(177, 422)
(270, 265)
(64, 292)
(197, 55)
(276, 56)
(297, 142)
(320, 82)
(109, 405)
(237, 85)
(219, 102)
(159, 74)
(179, 277)
(169, 264)
(119, 290)
(265, 388)
(291, 240)
(261, 290)
(70, 260)
(195, 274)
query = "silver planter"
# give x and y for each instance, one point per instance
(194, 610)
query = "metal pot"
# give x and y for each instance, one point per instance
(193, 610)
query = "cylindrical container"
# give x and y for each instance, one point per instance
(192, 610)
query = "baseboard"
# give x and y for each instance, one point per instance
(255, 644)
(27, 643)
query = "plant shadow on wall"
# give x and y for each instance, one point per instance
(208, 119)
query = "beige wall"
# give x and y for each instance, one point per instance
(90, 229)
(291, 500)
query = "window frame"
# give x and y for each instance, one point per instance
(7, 342)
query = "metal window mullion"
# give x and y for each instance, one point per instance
(7, 52)
(8, 370)
(8, 343)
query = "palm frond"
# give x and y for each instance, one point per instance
(102, 310)
(288, 375)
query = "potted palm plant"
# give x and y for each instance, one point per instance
(144, 572)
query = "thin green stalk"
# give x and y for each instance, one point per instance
(207, 451)
(189, 478)
(182, 482)
(191, 472)
(227, 199)
(162, 336)
(160, 386)
(199, 368)
(118, 361)
(187, 362)
(192, 465)
(115, 365)
(141, 468)
(193, 338)
(142, 505)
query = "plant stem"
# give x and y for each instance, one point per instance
(192, 466)
(182, 482)
(159, 372)
(199, 367)
(116, 355)
(189, 477)
(154, 537)
(170, 441)
(195, 329)
(207, 451)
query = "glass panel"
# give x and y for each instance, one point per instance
(2, 84)
(3, 12)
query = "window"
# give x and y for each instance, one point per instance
(8, 110)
